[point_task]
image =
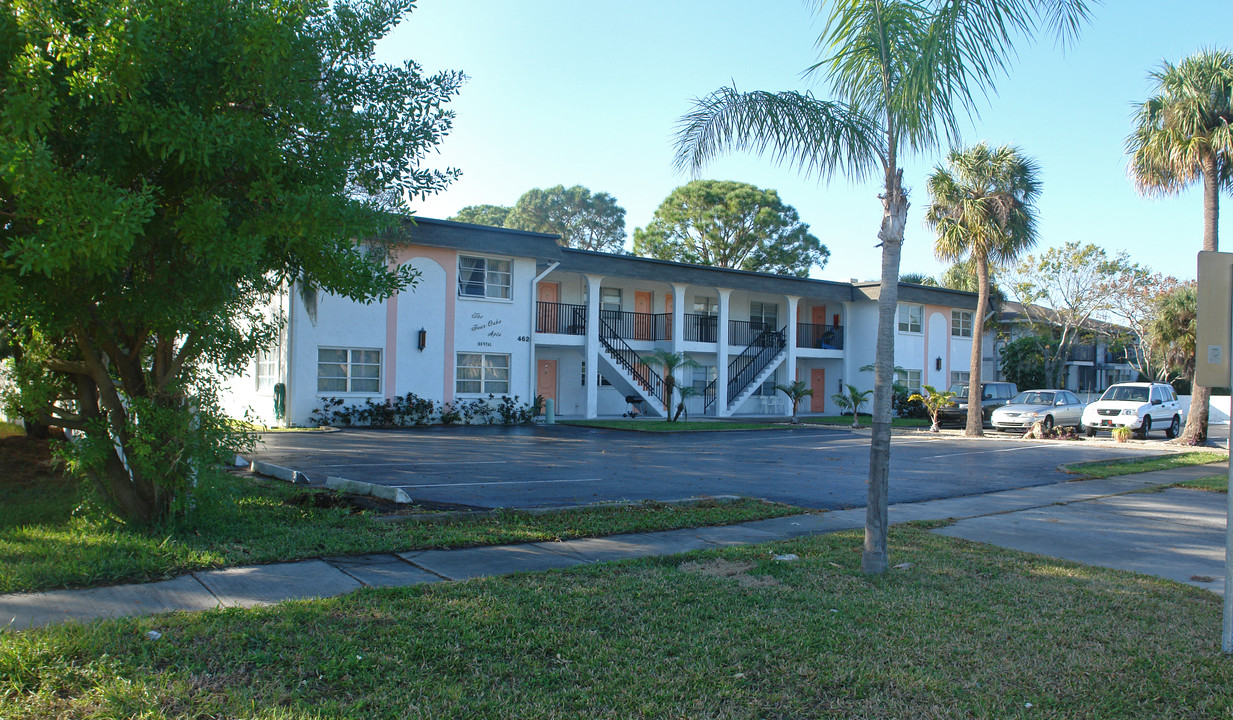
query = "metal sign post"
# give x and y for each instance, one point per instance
(1213, 335)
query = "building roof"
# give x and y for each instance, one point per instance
(1014, 312)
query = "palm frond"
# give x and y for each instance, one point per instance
(817, 137)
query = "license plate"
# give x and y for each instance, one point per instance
(1106, 423)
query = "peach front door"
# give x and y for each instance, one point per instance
(668, 312)
(548, 318)
(546, 379)
(819, 314)
(642, 323)
(817, 383)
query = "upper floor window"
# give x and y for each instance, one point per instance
(961, 323)
(610, 299)
(348, 370)
(483, 277)
(910, 318)
(764, 315)
(705, 306)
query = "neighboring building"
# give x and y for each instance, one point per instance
(1092, 364)
(505, 312)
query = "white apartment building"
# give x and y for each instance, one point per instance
(505, 312)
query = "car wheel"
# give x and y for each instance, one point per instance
(1146, 428)
(1174, 428)
(1046, 425)
(1091, 432)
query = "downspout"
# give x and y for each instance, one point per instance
(289, 350)
(532, 373)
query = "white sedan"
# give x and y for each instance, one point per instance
(1048, 407)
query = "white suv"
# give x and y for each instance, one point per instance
(1138, 406)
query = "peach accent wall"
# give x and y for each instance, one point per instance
(448, 260)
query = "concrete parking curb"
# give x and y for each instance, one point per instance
(278, 472)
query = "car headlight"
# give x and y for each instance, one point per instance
(1031, 414)
(1128, 411)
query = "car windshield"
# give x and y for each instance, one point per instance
(960, 390)
(1125, 393)
(1032, 398)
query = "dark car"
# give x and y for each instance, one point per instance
(993, 396)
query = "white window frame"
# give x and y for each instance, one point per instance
(905, 378)
(702, 376)
(484, 378)
(498, 285)
(960, 377)
(762, 317)
(905, 319)
(958, 326)
(709, 306)
(349, 370)
(266, 372)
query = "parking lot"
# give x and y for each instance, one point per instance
(537, 466)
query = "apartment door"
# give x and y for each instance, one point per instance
(642, 321)
(548, 317)
(819, 315)
(817, 383)
(668, 318)
(546, 379)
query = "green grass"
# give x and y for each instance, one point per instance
(1211, 483)
(51, 536)
(8, 429)
(660, 425)
(865, 420)
(1107, 468)
(969, 631)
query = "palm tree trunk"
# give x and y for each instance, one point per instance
(894, 218)
(1200, 396)
(976, 417)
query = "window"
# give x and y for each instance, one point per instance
(909, 379)
(961, 323)
(483, 277)
(610, 299)
(910, 317)
(599, 379)
(764, 315)
(705, 306)
(703, 375)
(960, 378)
(480, 374)
(267, 367)
(348, 370)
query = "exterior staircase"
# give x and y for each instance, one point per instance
(751, 368)
(630, 376)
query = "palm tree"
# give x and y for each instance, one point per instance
(852, 399)
(903, 72)
(983, 208)
(670, 362)
(1173, 330)
(1182, 135)
(933, 401)
(796, 391)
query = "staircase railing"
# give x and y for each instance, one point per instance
(629, 359)
(745, 367)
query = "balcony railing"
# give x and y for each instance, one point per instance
(701, 328)
(560, 318)
(638, 326)
(744, 332)
(821, 337)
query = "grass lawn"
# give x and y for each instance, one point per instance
(660, 425)
(865, 420)
(1211, 483)
(52, 536)
(969, 631)
(1107, 468)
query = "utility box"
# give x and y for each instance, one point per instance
(1211, 367)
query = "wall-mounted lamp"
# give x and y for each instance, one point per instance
(937, 364)
(423, 339)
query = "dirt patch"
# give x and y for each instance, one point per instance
(27, 461)
(738, 571)
(321, 500)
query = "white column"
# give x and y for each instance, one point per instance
(592, 345)
(721, 356)
(678, 317)
(793, 302)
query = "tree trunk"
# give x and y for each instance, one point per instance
(976, 417)
(894, 218)
(1200, 396)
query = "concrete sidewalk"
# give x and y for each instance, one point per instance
(1177, 534)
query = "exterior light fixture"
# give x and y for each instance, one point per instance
(937, 364)
(423, 339)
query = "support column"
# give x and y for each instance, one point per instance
(793, 302)
(678, 317)
(721, 356)
(591, 350)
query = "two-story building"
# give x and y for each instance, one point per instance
(503, 312)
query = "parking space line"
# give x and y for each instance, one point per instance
(983, 452)
(497, 482)
(417, 462)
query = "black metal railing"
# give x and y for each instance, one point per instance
(638, 326)
(625, 356)
(744, 368)
(560, 318)
(1083, 353)
(701, 328)
(821, 337)
(744, 332)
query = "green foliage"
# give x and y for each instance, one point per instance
(1173, 328)
(410, 410)
(1023, 362)
(582, 220)
(731, 225)
(494, 215)
(796, 391)
(917, 279)
(667, 364)
(169, 165)
(851, 401)
(933, 400)
(902, 404)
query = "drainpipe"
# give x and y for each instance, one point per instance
(288, 348)
(534, 305)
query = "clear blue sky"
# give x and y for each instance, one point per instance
(569, 92)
